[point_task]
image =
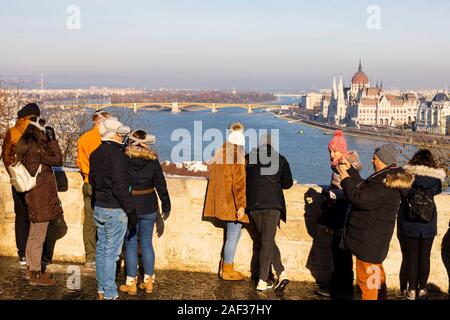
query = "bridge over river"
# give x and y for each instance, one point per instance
(176, 107)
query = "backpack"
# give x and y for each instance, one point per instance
(21, 179)
(421, 206)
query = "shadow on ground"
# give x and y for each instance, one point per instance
(169, 285)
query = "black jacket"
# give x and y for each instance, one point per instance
(429, 179)
(145, 172)
(375, 204)
(109, 178)
(265, 189)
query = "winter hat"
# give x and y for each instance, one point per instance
(134, 141)
(101, 116)
(31, 109)
(338, 142)
(236, 135)
(387, 153)
(110, 127)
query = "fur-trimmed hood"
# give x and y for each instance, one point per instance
(397, 178)
(137, 152)
(438, 173)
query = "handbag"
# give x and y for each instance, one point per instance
(21, 179)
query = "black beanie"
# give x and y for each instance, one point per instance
(31, 109)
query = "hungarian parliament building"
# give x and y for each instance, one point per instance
(362, 104)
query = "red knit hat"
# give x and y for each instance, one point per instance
(338, 142)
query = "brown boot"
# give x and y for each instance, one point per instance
(230, 274)
(37, 278)
(147, 286)
(130, 288)
(28, 273)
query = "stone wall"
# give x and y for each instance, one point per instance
(189, 243)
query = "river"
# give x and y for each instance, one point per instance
(306, 152)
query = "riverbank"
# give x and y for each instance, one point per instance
(418, 138)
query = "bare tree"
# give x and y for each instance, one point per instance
(11, 100)
(69, 122)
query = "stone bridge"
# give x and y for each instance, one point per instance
(191, 244)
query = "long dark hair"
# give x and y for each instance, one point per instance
(33, 136)
(423, 157)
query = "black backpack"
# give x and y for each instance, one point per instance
(421, 206)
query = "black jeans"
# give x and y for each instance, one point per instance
(417, 261)
(342, 276)
(22, 222)
(266, 222)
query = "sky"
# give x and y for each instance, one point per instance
(223, 44)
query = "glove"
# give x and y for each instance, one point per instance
(159, 225)
(165, 215)
(50, 132)
(132, 220)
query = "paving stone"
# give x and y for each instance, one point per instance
(169, 285)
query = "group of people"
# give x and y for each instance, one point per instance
(33, 143)
(361, 215)
(240, 191)
(123, 180)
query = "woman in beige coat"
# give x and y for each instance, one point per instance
(225, 197)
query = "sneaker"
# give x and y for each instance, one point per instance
(324, 292)
(22, 261)
(263, 285)
(282, 282)
(423, 294)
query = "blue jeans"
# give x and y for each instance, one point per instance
(111, 228)
(231, 241)
(144, 229)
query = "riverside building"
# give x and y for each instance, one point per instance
(362, 104)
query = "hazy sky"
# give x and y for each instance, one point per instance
(247, 44)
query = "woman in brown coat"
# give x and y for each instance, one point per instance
(225, 197)
(38, 150)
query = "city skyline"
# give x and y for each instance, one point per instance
(250, 45)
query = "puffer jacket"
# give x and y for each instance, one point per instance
(109, 178)
(42, 201)
(336, 208)
(429, 179)
(11, 139)
(265, 191)
(145, 172)
(375, 204)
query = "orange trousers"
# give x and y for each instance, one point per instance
(371, 280)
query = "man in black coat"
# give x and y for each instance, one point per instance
(113, 205)
(375, 203)
(268, 173)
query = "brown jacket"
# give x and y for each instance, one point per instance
(11, 138)
(42, 201)
(227, 185)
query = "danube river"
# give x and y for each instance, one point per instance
(305, 147)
